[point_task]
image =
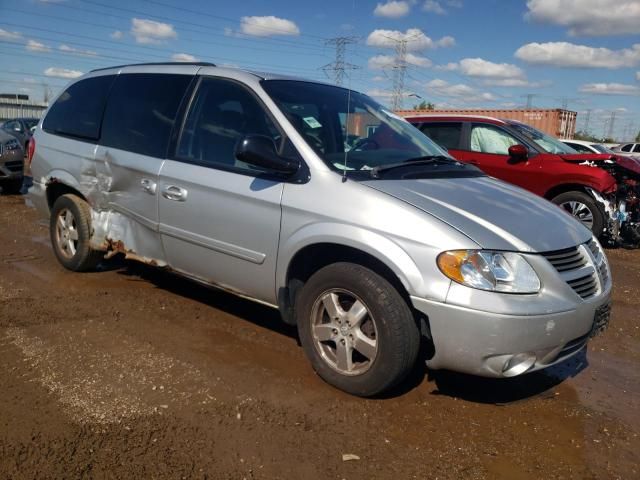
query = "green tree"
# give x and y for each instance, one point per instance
(424, 105)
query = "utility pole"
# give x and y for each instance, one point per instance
(529, 99)
(587, 118)
(611, 124)
(400, 69)
(339, 66)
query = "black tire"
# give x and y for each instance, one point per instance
(12, 186)
(397, 336)
(564, 199)
(82, 258)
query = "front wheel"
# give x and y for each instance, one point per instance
(584, 208)
(356, 329)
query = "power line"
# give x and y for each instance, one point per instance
(612, 121)
(338, 67)
(529, 97)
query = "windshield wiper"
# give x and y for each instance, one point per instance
(424, 160)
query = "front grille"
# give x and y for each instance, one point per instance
(585, 286)
(15, 166)
(567, 259)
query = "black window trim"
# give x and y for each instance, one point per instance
(302, 176)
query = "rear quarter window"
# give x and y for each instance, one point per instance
(78, 111)
(444, 134)
(141, 112)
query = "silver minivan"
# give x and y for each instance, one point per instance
(317, 201)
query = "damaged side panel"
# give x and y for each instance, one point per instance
(120, 187)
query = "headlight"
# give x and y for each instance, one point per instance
(12, 144)
(505, 272)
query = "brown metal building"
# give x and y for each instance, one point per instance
(554, 121)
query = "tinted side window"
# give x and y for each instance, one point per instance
(78, 111)
(489, 139)
(142, 111)
(444, 134)
(221, 113)
(637, 147)
(627, 148)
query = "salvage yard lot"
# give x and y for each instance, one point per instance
(132, 372)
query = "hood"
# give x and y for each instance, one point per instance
(631, 163)
(494, 214)
(585, 157)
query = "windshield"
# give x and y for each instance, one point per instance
(347, 129)
(544, 141)
(602, 148)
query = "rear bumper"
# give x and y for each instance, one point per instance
(497, 345)
(37, 198)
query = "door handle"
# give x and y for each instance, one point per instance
(172, 192)
(148, 186)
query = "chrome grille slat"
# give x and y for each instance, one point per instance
(575, 265)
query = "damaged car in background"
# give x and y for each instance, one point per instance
(600, 190)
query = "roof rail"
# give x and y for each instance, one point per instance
(198, 64)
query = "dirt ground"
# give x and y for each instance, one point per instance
(131, 372)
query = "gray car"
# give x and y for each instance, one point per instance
(321, 203)
(21, 128)
(11, 163)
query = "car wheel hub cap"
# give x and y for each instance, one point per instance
(66, 233)
(344, 332)
(580, 211)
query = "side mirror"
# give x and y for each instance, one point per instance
(518, 152)
(260, 151)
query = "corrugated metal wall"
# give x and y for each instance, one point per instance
(14, 108)
(557, 122)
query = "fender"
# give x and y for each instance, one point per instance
(588, 177)
(388, 252)
(64, 177)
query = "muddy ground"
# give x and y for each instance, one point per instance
(131, 372)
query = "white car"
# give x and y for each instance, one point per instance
(628, 149)
(582, 146)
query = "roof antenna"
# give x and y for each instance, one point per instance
(346, 131)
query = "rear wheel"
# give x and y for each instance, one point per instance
(584, 208)
(356, 329)
(12, 186)
(70, 231)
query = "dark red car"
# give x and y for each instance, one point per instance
(601, 190)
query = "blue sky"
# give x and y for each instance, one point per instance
(461, 53)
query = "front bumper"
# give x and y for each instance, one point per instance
(499, 345)
(11, 164)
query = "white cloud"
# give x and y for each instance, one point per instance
(445, 42)
(460, 90)
(392, 9)
(416, 39)
(267, 26)
(609, 89)
(379, 62)
(379, 93)
(183, 57)
(151, 32)
(77, 51)
(564, 54)
(588, 17)
(479, 67)
(514, 82)
(34, 46)
(433, 6)
(379, 78)
(62, 72)
(9, 36)
(638, 76)
(116, 35)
